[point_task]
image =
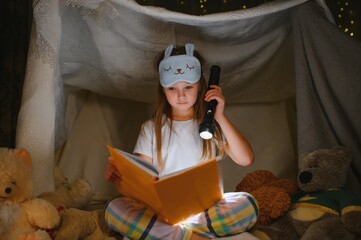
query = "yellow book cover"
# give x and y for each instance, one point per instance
(173, 197)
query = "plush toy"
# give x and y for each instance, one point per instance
(21, 214)
(68, 195)
(271, 192)
(322, 209)
(76, 223)
(83, 225)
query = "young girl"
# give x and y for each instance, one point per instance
(171, 142)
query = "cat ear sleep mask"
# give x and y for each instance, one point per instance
(173, 69)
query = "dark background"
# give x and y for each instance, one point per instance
(15, 26)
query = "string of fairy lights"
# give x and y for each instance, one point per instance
(347, 13)
(346, 18)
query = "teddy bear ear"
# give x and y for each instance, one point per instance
(23, 154)
(343, 152)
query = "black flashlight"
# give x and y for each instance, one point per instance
(206, 128)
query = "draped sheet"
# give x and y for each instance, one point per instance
(90, 81)
(328, 81)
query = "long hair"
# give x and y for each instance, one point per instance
(163, 111)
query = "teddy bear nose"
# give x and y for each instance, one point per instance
(8, 190)
(305, 177)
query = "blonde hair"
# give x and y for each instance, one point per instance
(163, 108)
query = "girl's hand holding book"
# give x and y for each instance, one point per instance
(111, 172)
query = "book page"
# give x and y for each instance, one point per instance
(141, 163)
(218, 158)
(190, 192)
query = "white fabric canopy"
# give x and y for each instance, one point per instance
(90, 81)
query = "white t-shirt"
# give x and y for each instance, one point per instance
(180, 149)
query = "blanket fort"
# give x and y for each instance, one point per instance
(90, 70)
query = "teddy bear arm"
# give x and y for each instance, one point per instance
(75, 195)
(350, 205)
(41, 214)
(351, 218)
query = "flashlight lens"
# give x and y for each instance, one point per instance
(206, 135)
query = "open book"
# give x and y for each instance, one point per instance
(173, 197)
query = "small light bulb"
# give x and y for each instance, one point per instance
(206, 135)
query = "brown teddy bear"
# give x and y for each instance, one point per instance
(83, 225)
(21, 214)
(322, 209)
(272, 194)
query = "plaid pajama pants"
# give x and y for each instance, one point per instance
(237, 212)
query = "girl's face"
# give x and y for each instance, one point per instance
(182, 96)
